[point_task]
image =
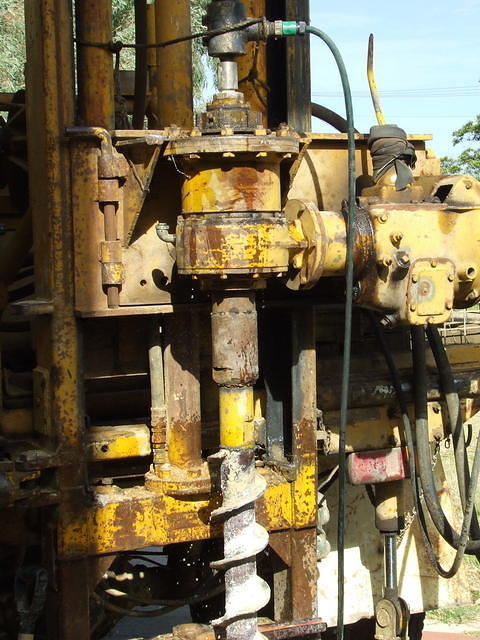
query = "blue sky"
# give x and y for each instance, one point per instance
(427, 63)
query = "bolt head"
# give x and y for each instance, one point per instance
(414, 277)
(433, 263)
(382, 617)
(413, 307)
(383, 217)
(448, 306)
(384, 261)
(451, 277)
(396, 237)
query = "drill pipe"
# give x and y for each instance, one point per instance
(235, 369)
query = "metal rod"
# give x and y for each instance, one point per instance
(50, 110)
(252, 67)
(141, 64)
(235, 369)
(152, 67)
(155, 358)
(228, 75)
(182, 386)
(391, 561)
(96, 103)
(157, 391)
(110, 222)
(373, 85)
(304, 446)
(174, 94)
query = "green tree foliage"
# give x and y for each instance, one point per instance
(12, 38)
(12, 48)
(200, 58)
(469, 160)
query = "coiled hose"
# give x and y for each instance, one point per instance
(401, 397)
(427, 479)
(447, 384)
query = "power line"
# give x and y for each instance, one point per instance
(420, 92)
(418, 116)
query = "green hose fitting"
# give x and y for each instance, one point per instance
(289, 28)
(285, 28)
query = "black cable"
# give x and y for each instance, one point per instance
(116, 47)
(155, 563)
(347, 343)
(402, 401)
(168, 605)
(427, 479)
(332, 118)
(207, 595)
(144, 552)
(131, 612)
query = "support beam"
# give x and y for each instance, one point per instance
(288, 64)
(49, 110)
(174, 65)
(96, 103)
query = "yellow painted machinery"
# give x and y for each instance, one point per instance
(208, 323)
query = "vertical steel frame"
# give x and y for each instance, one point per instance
(50, 109)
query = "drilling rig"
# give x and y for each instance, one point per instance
(224, 384)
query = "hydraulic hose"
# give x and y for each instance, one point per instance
(423, 451)
(447, 384)
(167, 605)
(332, 118)
(348, 322)
(402, 401)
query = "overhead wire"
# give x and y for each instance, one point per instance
(117, 46)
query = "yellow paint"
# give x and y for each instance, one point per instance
(437, 239)
(336, 243)
(373, 85)
(236, 408)
(110, 443)
(232, 246)
(433, 279)
(372, 428)
(132, 518)
(278, 505)
(304, 492)
(236, 187)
